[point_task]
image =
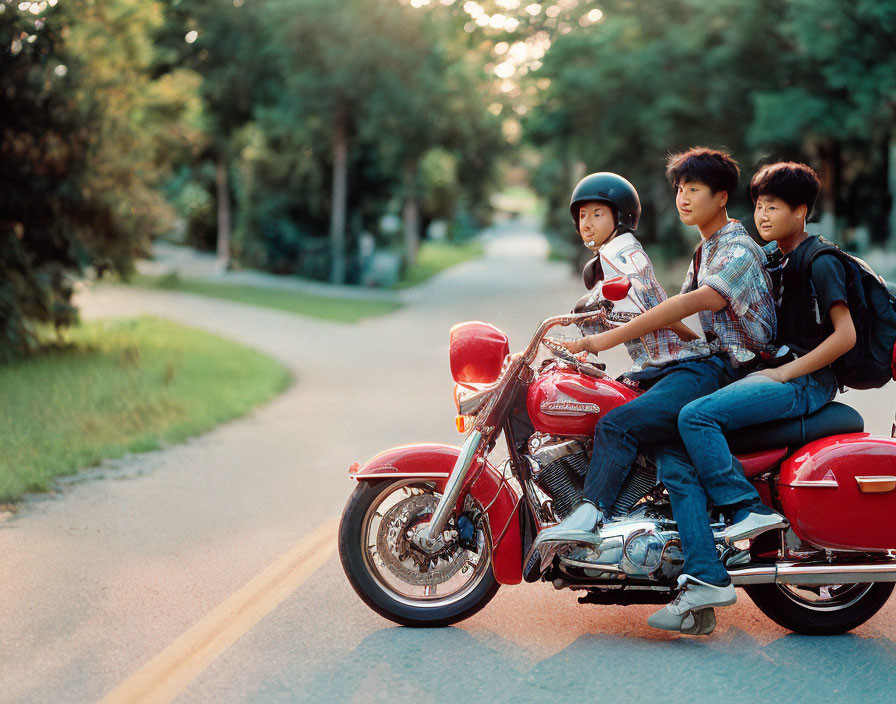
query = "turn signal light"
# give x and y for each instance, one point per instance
(461, 423)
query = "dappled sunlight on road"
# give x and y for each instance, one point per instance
(512, 243)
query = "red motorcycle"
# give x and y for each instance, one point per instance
(431, 531)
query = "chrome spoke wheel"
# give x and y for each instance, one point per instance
(402, 570)
(828, 597)
(820, 609)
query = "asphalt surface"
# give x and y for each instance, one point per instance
(117, 565)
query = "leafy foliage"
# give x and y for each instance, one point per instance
(79, 161)
(811, 80)
(309, 123)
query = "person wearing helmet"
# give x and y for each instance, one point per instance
(605, 209)
(728, 286)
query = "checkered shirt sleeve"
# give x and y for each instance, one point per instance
(733, 266)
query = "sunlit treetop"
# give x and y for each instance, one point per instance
(32, 15)
(516, 34)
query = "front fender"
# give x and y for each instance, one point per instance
(435, 461)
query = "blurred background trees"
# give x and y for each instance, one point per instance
(808, 80)
(293, 135)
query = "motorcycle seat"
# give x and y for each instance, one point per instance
(831, 419)
(758, 462)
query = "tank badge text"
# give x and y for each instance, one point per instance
(568, 408)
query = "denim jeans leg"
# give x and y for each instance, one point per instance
(650, 418)
(690, 510)
(704, 422)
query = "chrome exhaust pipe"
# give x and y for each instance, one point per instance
(795, 573)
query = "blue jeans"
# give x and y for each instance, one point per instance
(650, 419)
(703, 472)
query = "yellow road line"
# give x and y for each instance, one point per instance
(171, 671)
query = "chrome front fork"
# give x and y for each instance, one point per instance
(429, 536)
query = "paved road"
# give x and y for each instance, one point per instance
(210, 566)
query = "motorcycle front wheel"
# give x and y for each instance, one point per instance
(396, 579)
(820, 610)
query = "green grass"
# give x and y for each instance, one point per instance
(121, 386)
(438, 256)
(339, 309)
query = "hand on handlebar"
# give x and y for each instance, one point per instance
(576, 347)
(559, 346)
(590, 343)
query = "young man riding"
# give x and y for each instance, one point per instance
(728, 286)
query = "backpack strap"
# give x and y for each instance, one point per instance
(695, 268)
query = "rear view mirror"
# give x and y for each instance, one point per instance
(616, 289)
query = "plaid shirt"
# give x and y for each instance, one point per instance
(624, 256)
(732, 264)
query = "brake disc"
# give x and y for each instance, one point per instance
(407, 562)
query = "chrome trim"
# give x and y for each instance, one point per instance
(546, 449)
(753, 575)
(835, 574)
(452, 489)
(791, 573)
(568, 408)
(809, 484)
(401, 475)
(470, 403)
(597, 567)
(876, 485)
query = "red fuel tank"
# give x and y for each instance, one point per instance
(840, 492)
(568, 403)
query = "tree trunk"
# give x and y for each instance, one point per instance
(411, 216)
(244, 200)
(890, 150)
(339, 202)
(224, 219)
(829, 174)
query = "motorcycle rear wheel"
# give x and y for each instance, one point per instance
(820, 610)
(384, 569)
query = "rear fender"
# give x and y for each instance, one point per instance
(435, 461)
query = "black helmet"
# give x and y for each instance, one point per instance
(615, 191)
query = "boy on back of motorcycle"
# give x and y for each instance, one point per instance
(728, 286)
(784, 195)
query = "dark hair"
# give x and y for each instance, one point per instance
(715, 168)
(795, 184)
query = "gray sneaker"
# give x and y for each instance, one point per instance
(749, 524)
(581, 527)
(686, 612)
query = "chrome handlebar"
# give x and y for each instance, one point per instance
(557, 320)
(481, 433)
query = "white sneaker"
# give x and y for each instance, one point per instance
(581, 527)
(686, 609)
(749, 524)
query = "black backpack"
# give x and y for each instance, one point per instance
(872, 305)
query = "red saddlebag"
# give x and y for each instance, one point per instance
(840, 492)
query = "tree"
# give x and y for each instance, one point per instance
(652, 78)
(77, 165)
(834, 103)
(380, 100)
(227, 45)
